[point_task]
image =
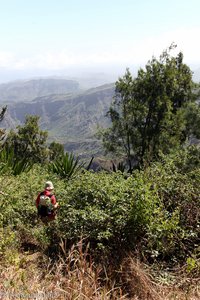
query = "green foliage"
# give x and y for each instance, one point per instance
(9, 246)
(155, 211)
(191, 264)
(187, 159)
(56, 151)
(66, 166)
(192, 115)
(152, 112)
(10, 163)
(96, 206)
(29, 142)
(177, 184)
(7, 240)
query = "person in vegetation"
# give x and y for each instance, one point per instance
(46, 203)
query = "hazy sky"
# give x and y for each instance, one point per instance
(49, 36)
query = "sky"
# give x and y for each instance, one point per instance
(70, 37)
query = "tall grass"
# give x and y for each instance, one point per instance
(74, 275)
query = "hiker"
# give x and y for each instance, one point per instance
(46, 203)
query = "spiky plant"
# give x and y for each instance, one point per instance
(67, 166)
(9, 162)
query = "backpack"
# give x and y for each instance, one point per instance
(45, 207)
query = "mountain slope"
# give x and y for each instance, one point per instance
(70, 119)
(30, 89)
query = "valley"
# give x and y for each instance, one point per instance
(71, 118)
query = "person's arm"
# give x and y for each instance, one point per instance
(54, 201)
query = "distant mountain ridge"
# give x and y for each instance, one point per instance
(27, 90)
(71, 119)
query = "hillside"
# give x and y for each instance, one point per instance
(69, 119)
(28, 90)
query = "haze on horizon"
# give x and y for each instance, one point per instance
(80, 38)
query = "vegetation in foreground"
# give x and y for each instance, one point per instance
(116, 234)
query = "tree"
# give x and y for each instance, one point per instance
(118, 138)
(29, 142)
(149, 113)
(56, 151)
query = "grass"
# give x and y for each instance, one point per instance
(74, 275)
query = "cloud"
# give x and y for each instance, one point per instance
(186, 40)
(132, 52)
(6, 59)
(59, 60)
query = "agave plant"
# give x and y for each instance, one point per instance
(67, 166)
(9, 162)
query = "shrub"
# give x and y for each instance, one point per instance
(155, 211)
(176, 181)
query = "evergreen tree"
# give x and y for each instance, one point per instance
(29, 141)
(149, 114)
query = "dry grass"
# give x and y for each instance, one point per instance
(75, 276)
(141, 284)
(136, 281)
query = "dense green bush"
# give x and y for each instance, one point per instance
(155, 211)
(176, 179)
